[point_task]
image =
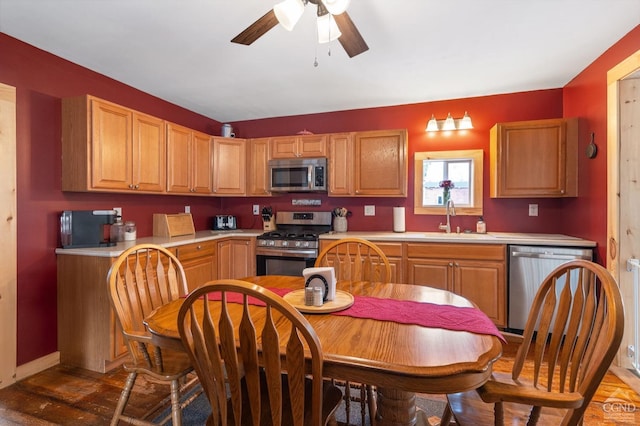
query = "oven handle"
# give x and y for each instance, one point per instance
(306, 254)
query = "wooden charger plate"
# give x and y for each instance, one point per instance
(342, 301)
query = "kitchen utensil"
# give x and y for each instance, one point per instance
(592, 149)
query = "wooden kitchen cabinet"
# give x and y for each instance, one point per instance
(199, 262)
(110, 148)
(534, 159)
(229, 166)
(381, 167)
(341, 164)
(89, 335)
(189, 161)
(236, 258)
(257, 170)
(299, 146)
(474, 271)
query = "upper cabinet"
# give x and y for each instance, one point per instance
(229, 166)
(341, 164)
(381, 167)
(189, 169)
(534, 159)
(299, 146)
(257, 170)
(106, 147)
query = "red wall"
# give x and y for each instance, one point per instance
(43, 79)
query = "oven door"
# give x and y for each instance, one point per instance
(284, 262)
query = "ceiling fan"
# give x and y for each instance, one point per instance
(333, 23)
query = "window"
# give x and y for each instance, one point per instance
(462, 168)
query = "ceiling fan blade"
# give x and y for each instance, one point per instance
(350, 39)
(257, 29)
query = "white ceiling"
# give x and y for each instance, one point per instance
(419, 50)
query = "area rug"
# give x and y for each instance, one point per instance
(196, 413)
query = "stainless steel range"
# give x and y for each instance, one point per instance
(294, 245)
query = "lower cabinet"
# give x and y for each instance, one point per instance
(394, 252)
(236, 258)
(89, 335)
(198, 261)
(474, 271)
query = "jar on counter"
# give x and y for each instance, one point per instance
(117, 231)
(130, 231)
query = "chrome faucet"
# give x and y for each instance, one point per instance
(451, 211)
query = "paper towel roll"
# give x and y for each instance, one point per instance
(398, 219)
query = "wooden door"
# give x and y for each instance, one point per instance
(8, 235)
(341, 164)
(257, 170)
(381, 163)
(149, 153)
(202, 163)
(436, 273)
(229, 166)
(236, 258)
(178, 159)
(483, 283)
(284, 147)
(199, 262)
(312, 146)
(112, 157)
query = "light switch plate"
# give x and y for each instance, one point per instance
(533, 210)
(369, 210)
(187, 209)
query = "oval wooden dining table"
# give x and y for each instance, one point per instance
(399, 359)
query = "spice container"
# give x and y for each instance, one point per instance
(116, 233)
(130, 231)
(481, 226)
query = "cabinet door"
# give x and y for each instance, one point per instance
(534, 159)
(178, 159)
(381, 163)
(202, 163)
(236, 258)
(111, 159)
(436, 273)
(198, 261)
(394, 252)
(284, 147)
(149, 153)
(341, 164)
(257, 170)
(229, 166)
(312, 146)
(483, 283)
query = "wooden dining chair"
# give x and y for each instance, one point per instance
(356, 259)
(257, 365)
(571, 336)
(141, 279)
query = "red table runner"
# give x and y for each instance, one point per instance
(424, 314)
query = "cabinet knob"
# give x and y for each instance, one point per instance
(199, 247)
(451, 264)
(130, 186)
(137, 186)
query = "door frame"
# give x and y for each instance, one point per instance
(615, 265)
(8, 235)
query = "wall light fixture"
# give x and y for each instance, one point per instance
(449, 123)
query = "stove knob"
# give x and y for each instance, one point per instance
(271, 243)
(298, 243)
(285, 243)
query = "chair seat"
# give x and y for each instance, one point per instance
(469, 409)
(175, 365)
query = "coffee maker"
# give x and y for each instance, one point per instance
(268, 219)
(86, 228)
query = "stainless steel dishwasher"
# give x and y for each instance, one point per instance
(528, 267)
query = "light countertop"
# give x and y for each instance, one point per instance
(467, 238)
(411, 236)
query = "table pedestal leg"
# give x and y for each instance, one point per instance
(396, 408)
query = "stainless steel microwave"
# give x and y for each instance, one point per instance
(298, 175)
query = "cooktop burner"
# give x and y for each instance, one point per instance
(284, 235)
(296, 230)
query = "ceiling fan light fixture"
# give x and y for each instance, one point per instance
(289, 12)
(327, 28)
(336, 7)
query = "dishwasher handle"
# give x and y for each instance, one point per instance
(548, 256)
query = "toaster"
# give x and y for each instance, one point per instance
(224, 222)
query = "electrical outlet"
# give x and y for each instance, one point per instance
(118, 211)
(533, 210)
(256, 209)
(187, 209)
(369, 210)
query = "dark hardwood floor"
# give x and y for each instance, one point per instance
(71, 396)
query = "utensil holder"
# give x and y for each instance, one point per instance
(340, 224)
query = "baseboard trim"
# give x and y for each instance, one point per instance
(37, 365)
(627, 377)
